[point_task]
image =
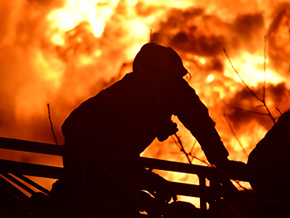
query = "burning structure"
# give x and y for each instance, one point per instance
(62, 52)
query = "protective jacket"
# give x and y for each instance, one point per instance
(134, 111)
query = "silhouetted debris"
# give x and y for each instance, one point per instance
(55, 203)
(13, 203)
(268, 166)
(184, 210)
(269, 161)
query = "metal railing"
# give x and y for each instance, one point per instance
(217, 187)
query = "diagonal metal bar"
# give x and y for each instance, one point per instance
(31, 169)
(34, 184)
(36, 147)
(17, 182)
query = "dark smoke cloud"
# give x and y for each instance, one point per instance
(246, 30)
(280, 95)
(215, 64)
(196, 32)
(186, 31)
(247, 25)
(278, 38)
(200, 45)
(243, 107)
(193, 32)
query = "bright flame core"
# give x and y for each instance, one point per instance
(95, 12)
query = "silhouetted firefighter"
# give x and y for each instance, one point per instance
(119, 123)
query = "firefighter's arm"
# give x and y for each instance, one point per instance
(203, 129)
(195, 117)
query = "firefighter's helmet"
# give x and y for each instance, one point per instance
(154, 58)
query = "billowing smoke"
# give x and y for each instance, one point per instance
(244, 107)
(279, 38)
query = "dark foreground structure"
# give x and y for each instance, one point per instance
(120, 122)
(218, 197)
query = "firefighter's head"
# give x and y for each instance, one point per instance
(154, 58)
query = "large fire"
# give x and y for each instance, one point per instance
(63, 52)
